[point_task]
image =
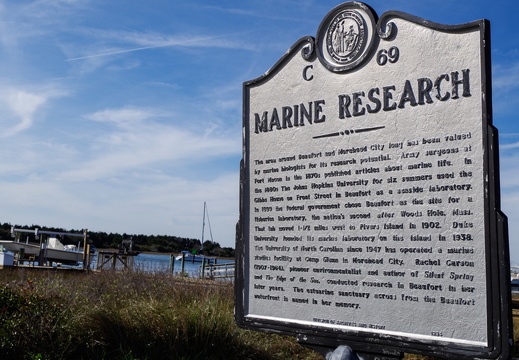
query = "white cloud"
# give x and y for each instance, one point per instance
(510, 207)
(124, 115)
(24, 105)
(120, 42)
(509, 146)
(135, 141)
(19, 109)
(505, 77)
(52, 10)
(21, 105)
(509, 165)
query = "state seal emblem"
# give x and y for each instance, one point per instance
(345, 36)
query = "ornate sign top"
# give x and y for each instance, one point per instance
(346, 36)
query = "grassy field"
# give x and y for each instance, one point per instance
(65, 315)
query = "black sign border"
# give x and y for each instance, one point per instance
(500, 326)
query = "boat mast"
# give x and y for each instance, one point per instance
(203, 226)
(208, 222)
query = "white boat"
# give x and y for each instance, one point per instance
(188, 257)
(55, 251)
(50, 250)
(21, 247)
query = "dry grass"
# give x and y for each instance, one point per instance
(49, 315)
(62, 315)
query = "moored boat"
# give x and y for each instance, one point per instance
(55, 251)
(187, 256)
(21, 247)
(50, 250)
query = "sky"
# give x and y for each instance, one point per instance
(125, 116)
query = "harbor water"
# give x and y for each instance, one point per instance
(153, 263)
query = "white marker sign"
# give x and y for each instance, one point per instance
(370, 202)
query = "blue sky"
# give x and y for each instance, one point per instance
(125, 116)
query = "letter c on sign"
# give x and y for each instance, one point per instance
(305, 73)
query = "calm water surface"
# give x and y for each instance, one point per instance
(161, 263)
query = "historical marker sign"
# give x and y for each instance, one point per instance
(370, 210)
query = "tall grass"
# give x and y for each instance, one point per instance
(61, 315)
(136, 315)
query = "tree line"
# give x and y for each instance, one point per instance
(147, 243)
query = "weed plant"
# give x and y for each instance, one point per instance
(131, 315)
